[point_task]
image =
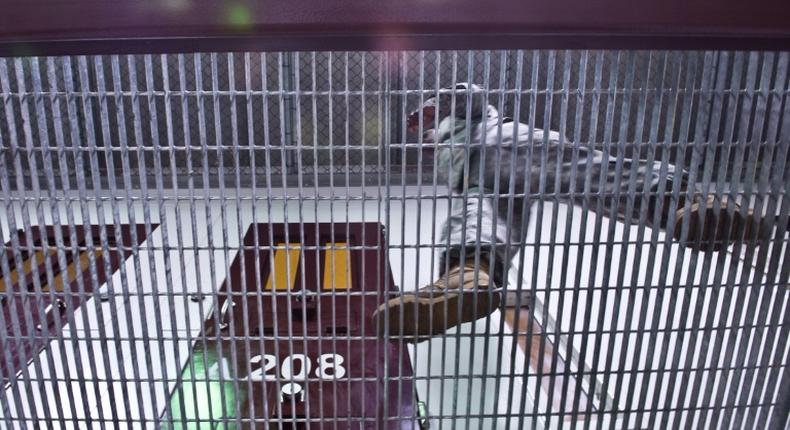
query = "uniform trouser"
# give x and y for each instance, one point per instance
(492, 220)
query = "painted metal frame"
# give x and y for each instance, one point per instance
(115, 26)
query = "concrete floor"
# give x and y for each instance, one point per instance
(471, 384)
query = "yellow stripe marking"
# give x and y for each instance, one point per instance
(27, 267)
(72, 271)
(284, 270)
(337, 264)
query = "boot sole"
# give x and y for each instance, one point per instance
(417, 318)
(717, 234)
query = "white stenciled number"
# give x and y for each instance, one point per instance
(262, 373)
(288, 366)
(330, 366)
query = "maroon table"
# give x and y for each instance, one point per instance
(313, 357)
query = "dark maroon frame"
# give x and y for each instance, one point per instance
(166, 26)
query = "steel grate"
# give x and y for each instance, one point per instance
(200, 240)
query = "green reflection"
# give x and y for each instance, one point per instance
(238, 16)
(207, 405)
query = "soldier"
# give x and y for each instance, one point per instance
(472, 136)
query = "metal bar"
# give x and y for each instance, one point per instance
(199, 278)
(179, 229)
(522, 259)
(765, 188)
(521, 299)
(218, 316)
(17, 257)
(753, 309)
(268, 157)
(690, 78)
(127, 184)
(40, 220)
(738, 170)
(558, 177)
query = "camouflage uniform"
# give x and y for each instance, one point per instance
(515, 161)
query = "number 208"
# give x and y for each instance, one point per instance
(329, 367)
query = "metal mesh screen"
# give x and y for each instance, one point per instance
(201, 240)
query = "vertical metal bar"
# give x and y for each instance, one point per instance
(559, 191)
(76, 139)
(777, 414)
(288, 268)
(383, 94)
(218, 316)
(90, 133)
(11, 299)
(468, 94)
(511, 208)
(41, 118)
(348, 226)
(418, 199)
(661, 203)
(242, 250)
(751, 338)
(387, 94)
(768, 188)
(314, 106)
(111, 180)
(159, 180)
(24, 298)
(525, 209)
(628, 216)
(644, 206)
(254, 203)
(481, 190)
(403, 157)
(57, 225)
(171, 150)
(163, 221)
(331, 217)
(572, 197)
(705, 114)
(225, 244)
(685, 293)
(748, 183)
(110, 294)
(271, 247)
(585, 205)
(6, 298)
(287, 110)
(613, 194)
(433, 246)
(363, 193)
(614, 75)
(541, 200)
(775, 379)
(736, 171)
(182, 81)
(731, 108)
(453, 194)
(504, 58)
(712, 142)
(332, 198)
(300, 202)
(131, 215)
